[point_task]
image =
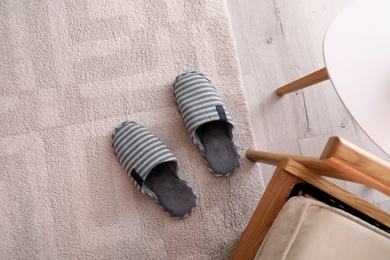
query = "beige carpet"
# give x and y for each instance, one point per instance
(70, 72)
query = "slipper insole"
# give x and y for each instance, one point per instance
(220, 151)
(173, 194)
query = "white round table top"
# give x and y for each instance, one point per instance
(357, 58)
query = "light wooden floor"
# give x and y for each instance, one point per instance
(279, 41)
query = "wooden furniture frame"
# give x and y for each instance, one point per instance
(311, 79)
(340, 159)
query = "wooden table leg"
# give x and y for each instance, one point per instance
(311, 79)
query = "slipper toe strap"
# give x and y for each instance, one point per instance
(199, 102)
(139, 151)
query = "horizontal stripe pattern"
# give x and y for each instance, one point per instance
(139, 149)
(197, 99)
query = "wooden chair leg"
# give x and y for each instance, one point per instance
(311, 79)
(314, 164)
(275, 158)
(271, 158)
(272, 201)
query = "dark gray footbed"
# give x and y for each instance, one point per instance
(220, 151)
(174, 195)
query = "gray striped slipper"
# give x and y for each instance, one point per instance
(208, 122)
(153, 168)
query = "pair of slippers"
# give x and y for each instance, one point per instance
(153, 167)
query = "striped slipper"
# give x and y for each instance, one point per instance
(208, 122)
(153, 168)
